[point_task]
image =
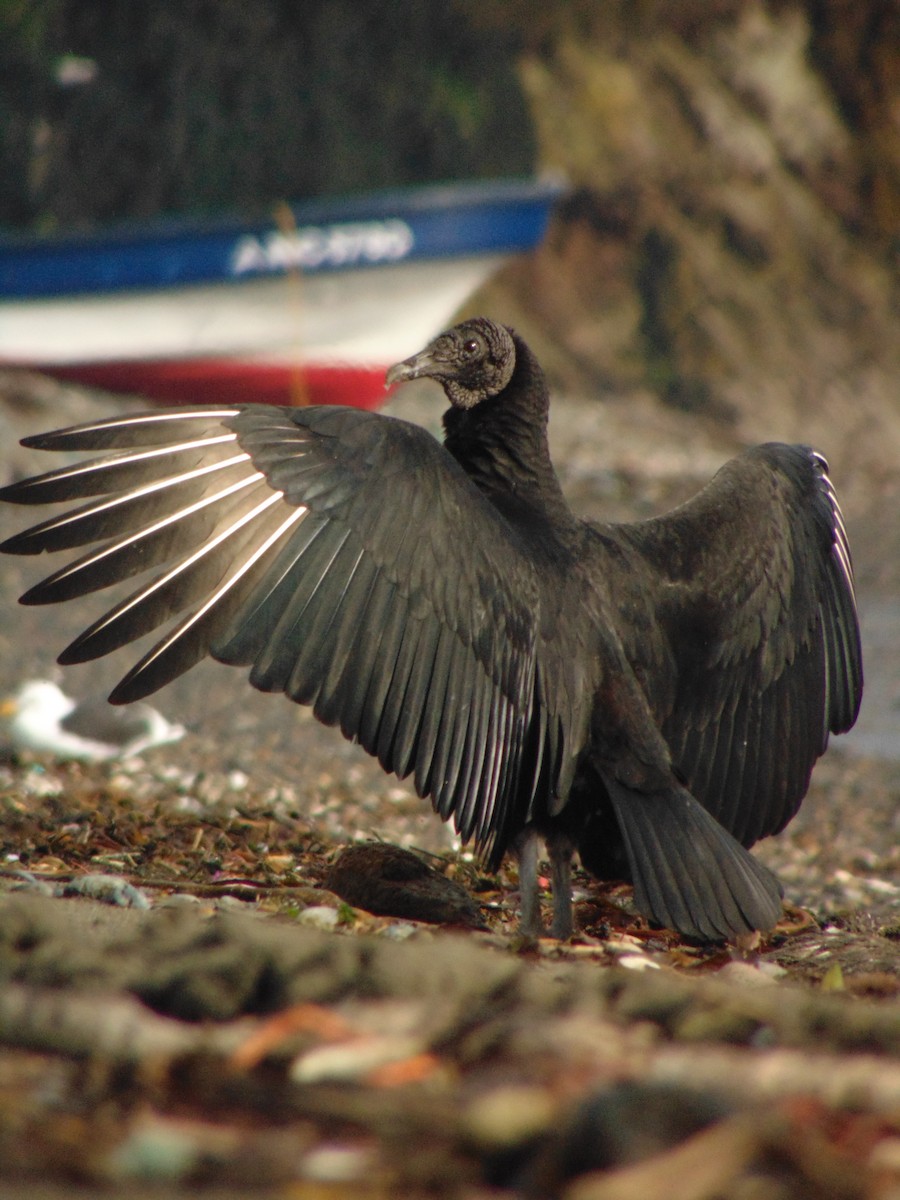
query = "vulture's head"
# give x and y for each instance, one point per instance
(471, 361)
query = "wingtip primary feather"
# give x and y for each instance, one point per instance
(132, 429)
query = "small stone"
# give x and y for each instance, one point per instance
(336, 1163)
(746, 974)
(507, 1116)
(319, 916)
(392, 882)
(351, 1060)
(637, 962)
(154, 1152)
(108, 889)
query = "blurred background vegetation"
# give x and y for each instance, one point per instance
(114, 109)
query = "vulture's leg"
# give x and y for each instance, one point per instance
(560, 850)
(530, 922)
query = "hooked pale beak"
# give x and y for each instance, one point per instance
(411, 368)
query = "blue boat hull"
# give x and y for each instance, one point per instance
(309, 307)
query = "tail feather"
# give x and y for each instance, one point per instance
(689, 873)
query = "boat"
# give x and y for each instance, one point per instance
(310, 305)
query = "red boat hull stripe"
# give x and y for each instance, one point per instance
(228, 381)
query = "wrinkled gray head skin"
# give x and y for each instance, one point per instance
(471, 361)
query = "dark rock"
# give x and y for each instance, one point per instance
(392, 882)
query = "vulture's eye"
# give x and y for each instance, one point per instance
(471, 347)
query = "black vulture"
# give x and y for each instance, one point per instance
(653, 695)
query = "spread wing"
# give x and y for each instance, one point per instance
(751, 654)
(343, 556)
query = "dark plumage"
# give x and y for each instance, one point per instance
(654, 695)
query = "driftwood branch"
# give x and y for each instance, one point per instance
(440, 1041)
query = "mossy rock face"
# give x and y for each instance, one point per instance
(724, 248)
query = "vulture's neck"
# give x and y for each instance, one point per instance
(501, 444)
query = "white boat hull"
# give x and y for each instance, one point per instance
(349, 324)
